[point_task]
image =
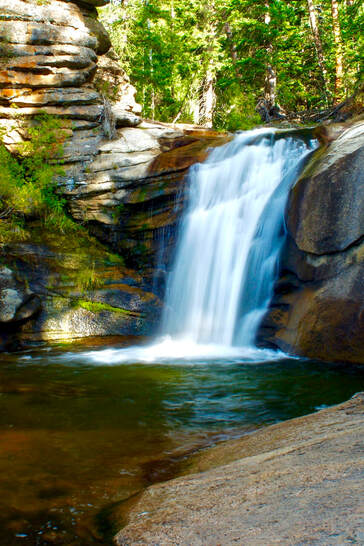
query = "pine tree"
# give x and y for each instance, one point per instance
(318, 45)
(338, 50)
(213, 61)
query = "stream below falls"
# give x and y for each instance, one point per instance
(79, 436)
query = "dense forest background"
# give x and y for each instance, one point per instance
(220, 62)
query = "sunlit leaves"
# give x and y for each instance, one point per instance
(168, 47)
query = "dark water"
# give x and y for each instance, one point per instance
(76, 439)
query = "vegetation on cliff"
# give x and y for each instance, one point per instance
(217, 62)
(28, 181)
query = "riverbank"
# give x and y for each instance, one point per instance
(297, 482)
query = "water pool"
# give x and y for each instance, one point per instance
(79, 437)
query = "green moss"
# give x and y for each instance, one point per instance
(143, 193)
(118, 211)
(6, 51)
(113, 259)
(141, 248)
(97, 307)
(79, 262)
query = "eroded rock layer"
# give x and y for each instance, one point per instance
(131, 196)
(48, 55)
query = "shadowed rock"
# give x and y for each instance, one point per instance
(320, 314)
(326, 205)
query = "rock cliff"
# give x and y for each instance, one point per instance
(48, 54)
(123, 180)
(318, 307)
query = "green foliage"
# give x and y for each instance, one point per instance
(12, 230)
(97, 307)
(105, 89)
(28, 181)
(164, 47)
(118, 212)
(172, 48)
(240, 115)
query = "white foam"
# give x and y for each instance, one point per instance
(176, 351)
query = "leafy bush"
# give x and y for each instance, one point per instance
(240, 115)
(28, 181)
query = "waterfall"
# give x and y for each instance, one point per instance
(230, 239)
(227, 254)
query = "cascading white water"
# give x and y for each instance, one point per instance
(230, 239)
(227, 254)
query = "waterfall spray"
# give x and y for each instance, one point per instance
(227, 254)
(230, 239)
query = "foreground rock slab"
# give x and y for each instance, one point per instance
(298, 482)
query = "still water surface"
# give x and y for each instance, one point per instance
(77, 438)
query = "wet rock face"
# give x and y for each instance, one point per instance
(80, 288)
(318, 306)
(18, 303)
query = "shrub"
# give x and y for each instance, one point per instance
(28, 181)
(241, 114)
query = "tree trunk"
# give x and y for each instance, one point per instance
(270, 87)
(270, 83)
(207, 100)
(207, 95)
(194, 107)
(318, 45)
(151, 69)
(233, 52)
(338, 51)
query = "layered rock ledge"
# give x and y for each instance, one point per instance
(298, 482)
(48, 59)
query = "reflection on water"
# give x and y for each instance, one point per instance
(76, 439)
